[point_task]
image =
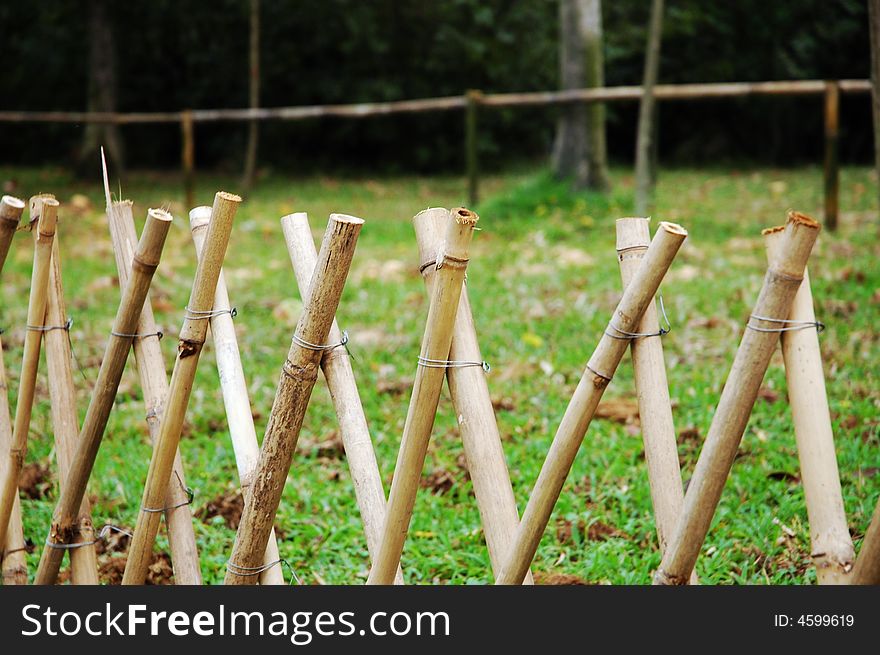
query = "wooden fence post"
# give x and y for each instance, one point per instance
(832, 167)
(473, 98)
(188, 156)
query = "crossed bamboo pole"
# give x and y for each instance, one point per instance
(44, 225)
(652, 389)
(62, 396)
(154, 385)
(336, 365)
(14, 557)
(472, 402)
(831, 543)
(637, 296)
(783, 278)
(450, 264)
(189, 347)
(298, 377)
(867, 566)
(144, 264)
(239, 415)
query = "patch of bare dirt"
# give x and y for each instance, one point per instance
(35, 480)
(439, 481)
(229, 505)
(619, 410)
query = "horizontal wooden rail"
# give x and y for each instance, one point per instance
(368, 109)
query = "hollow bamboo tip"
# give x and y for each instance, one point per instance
(632, 232)
(672, 228)
(797, 218)
(346, 218)
(11, 208)
(464, 216)
(199, 217)
(160, 215)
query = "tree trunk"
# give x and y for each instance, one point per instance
(874, 29)
(102, 92)
(580, 151)
(646, 135)
(250, 158)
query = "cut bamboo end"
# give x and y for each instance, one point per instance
(798, 218)
(772, 230)
(345, 218)
(48, 219)
(11, 209)
(672, 228)
(159, 215)
(229, 197)
(464, 216)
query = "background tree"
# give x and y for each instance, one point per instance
(874, 29)
(250, 158)
(645, 177)
(101, 93)
(580, 150)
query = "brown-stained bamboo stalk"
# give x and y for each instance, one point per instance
(235, 393)
(652, 390)
(473, 405)
(867, 567)
(784, 276)
(14, 558)
(65, 422)
(637, 296)
(154, 385)
(451, 264)
(336, 366)
(189, 348)
(831, 544)
(44, 235)
(144, 264)
(298, 377)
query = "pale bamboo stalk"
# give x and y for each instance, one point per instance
(189, 348)
(11, 209)
(451, 264)
(65, 422)
(473, 406)
(784, 276)
(336, 365)
(43, 237)
(298, 377)
(144, 264)
(600, 368)
(239, 415)
(652, 390)
(867, 567)
(13, 555)
(154, 385)
(831, 544)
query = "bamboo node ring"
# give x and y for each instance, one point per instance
(82, 544)
(249, 571)
(298, 340)
(203, 315)
(623, 334)
(786, 325)
(48, 328)
(447, 363)
(190, 494)
(143, 335)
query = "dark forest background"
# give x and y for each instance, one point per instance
(174, 54)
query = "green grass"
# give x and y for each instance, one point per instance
(543, 280)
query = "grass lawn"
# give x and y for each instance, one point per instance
(543, 280)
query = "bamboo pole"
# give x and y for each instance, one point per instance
(784, 276)
(65, 421)
(144, 264)
(341, 382)
(451, 264)
(652, 389)
(14, 558)
(867, 567)
(473, 405)
(831, 166)
(298, 377)
(832, 546)
(189, 348)
(234, 388)
(43, 237)
(582, 406)
(154, 385)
